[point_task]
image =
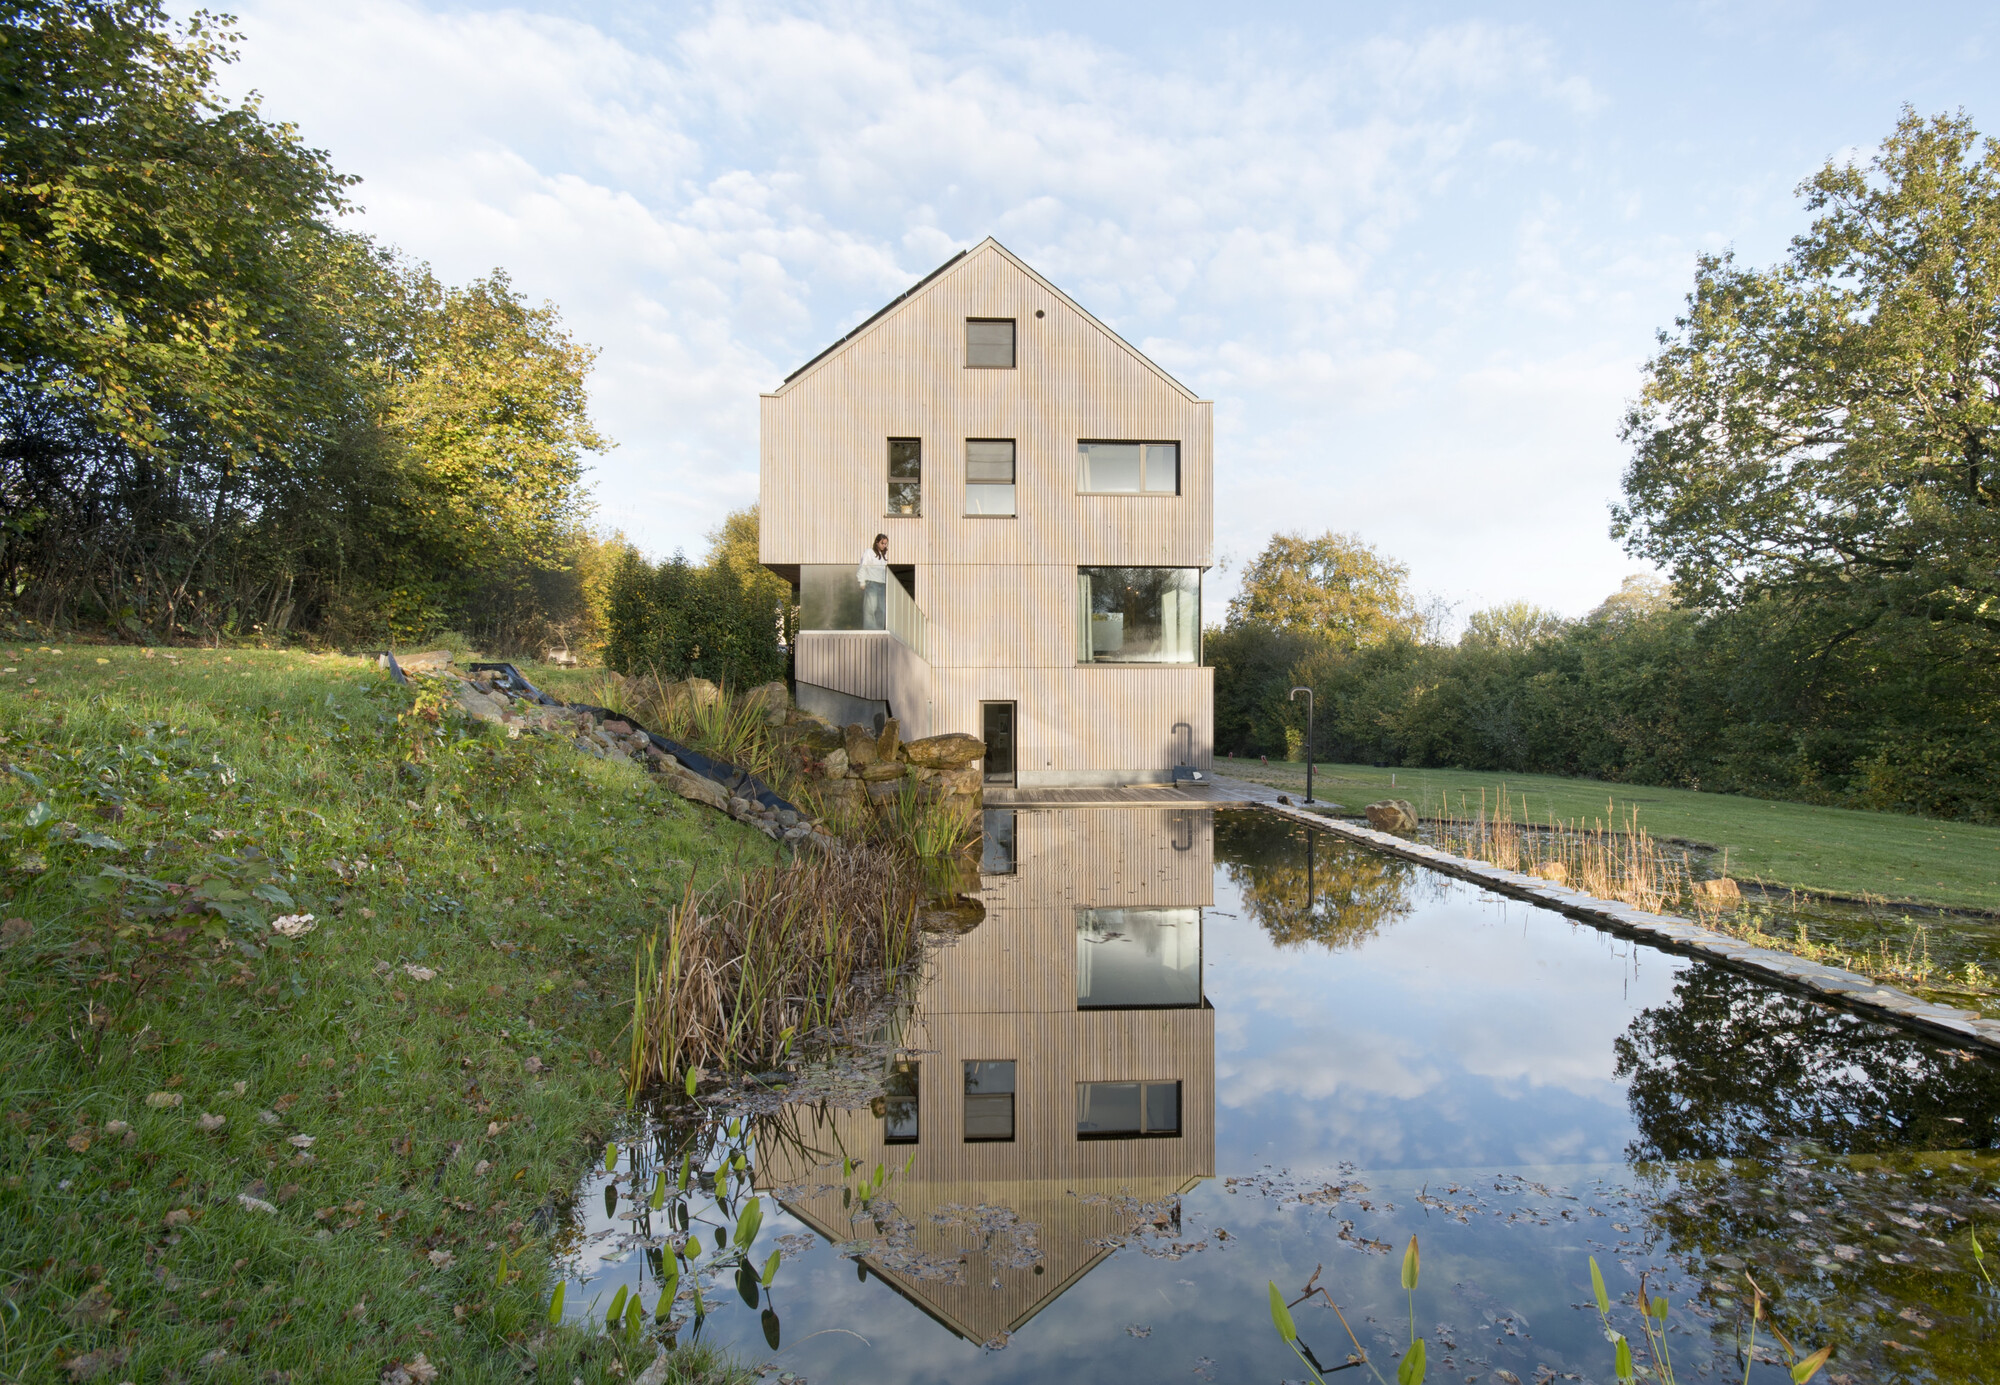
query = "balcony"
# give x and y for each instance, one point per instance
(831, 599)
(845, 648)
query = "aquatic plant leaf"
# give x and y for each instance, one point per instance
(1808, 1368)
(770, 1321)
(659, 1198)
(617, 1310)
(634, 1316)
(694, 1291)
(770, 1270)
(1410, 1265)
(694, 1076)
(1658, 1308)
(556, 1302)
(685, 1164)
(1282, 1315)
(1597, 1287)
(1411, 1370)
(670, 1286)
(747, 1224)
(1621, 1362)
(746, 1285)
(611, 1158)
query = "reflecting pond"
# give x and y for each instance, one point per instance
(1189, 1052)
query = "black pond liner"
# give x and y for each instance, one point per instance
(740, 782)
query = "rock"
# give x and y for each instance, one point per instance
(843, 791)
(1392, 815)
(882, 772)
(432, 661)
(860, 746)
(1721, 890)
(966, 779)
(693, 786)
(836, 764)
(699, 692)
(953, 750)
(771, 699)
(890, 741)
(883, 791)
(788, 818)
(475, 703)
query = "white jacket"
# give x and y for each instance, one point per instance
(872, 569)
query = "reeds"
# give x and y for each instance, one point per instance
(736, 974)
(1611, 857)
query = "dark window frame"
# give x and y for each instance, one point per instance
(1180, 1111)
(916, 481)
(915, 1099)
(1014, 467)
(1013, 1105)
(1180, 466)
(1014, 342)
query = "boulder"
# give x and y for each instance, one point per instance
(1392, 815)
(884, 791)
(773, 699)
(890, 741)
(966, 779)
(953, 750)
(882, 772)
(812, 734)
(693, 786)
(836, 764)
(860, 746)
(847, 792)
(485, 706)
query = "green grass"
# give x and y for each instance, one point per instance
(403, 1140)
(1832, 850)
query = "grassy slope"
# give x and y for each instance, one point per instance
(1836, 850)
(443, 1112)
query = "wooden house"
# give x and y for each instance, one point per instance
(1047, 493)
(1055, 1091)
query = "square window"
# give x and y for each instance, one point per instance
(989, 343)
(906, 476)
(899, 1105)
(1138, 615)
(989, 1101)
(989, 476)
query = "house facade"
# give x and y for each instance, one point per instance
(1047, 494)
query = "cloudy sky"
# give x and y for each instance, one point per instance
(1415, 254)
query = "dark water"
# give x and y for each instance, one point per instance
(1189, 1053)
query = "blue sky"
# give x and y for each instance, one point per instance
(1416, 254)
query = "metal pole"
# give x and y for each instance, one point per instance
(1294, 697)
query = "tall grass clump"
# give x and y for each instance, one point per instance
(1612, 857)
(735, 974)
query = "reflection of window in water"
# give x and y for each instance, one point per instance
(1127, 1110)
(1138, 958)
(899, 1104)
(989, 1100)
(996, 843)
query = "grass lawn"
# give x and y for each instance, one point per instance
(229, 1154)
(1835, 850)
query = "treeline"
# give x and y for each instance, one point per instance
(222, 412)
(1762, 700)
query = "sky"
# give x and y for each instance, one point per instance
(1416, 254)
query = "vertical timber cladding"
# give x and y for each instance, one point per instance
(1007, 991)
(1000, 593)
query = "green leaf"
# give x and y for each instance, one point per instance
(556, 1303)
(611, 1158)
(500, 1275)
(1659, 1308)
(1410, 1371)
(1621, 1364)
(659, 1198)
(670, 1285)
(1410, 1265)
(694, 1076)
(700, 1308)
(100, 841)
(684, 1171)
(1282, 1315)
(748, 1222)
(1597, 1287)
(271, 894)
(770, 1270)
(39, 816)
(1808, 1368)
(634, 1316)
(617, 1307)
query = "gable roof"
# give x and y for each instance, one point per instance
(924, 283)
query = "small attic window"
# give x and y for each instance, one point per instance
(989, 343)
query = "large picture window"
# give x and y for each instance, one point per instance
(1138, 959)
(1138, 615)
(906, 476)
(989, 476)
(1128, 468)
(1127, 1110)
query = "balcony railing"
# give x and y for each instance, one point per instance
(831, 598)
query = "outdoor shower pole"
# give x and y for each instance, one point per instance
(1294, 697)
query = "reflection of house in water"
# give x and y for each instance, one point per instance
(1061, 1064)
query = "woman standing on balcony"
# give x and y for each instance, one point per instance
(873, 574)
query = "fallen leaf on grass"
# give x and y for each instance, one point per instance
(115, 1127)
(161, 1101)
(293, 925)
(440, 1259)
(211, 1122)
(479, 1169)
(16, 931)
(417, 973)
(80, 1142)
(178, 1217)
(534, 1063)
(94, 1307)
(254, 1204)
(301, 1141)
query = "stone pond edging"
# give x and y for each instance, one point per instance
(1843, 988)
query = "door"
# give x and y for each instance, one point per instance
(997, 730)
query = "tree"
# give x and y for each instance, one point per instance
(1512, 625)
(1334, 586)
(1825, 430)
